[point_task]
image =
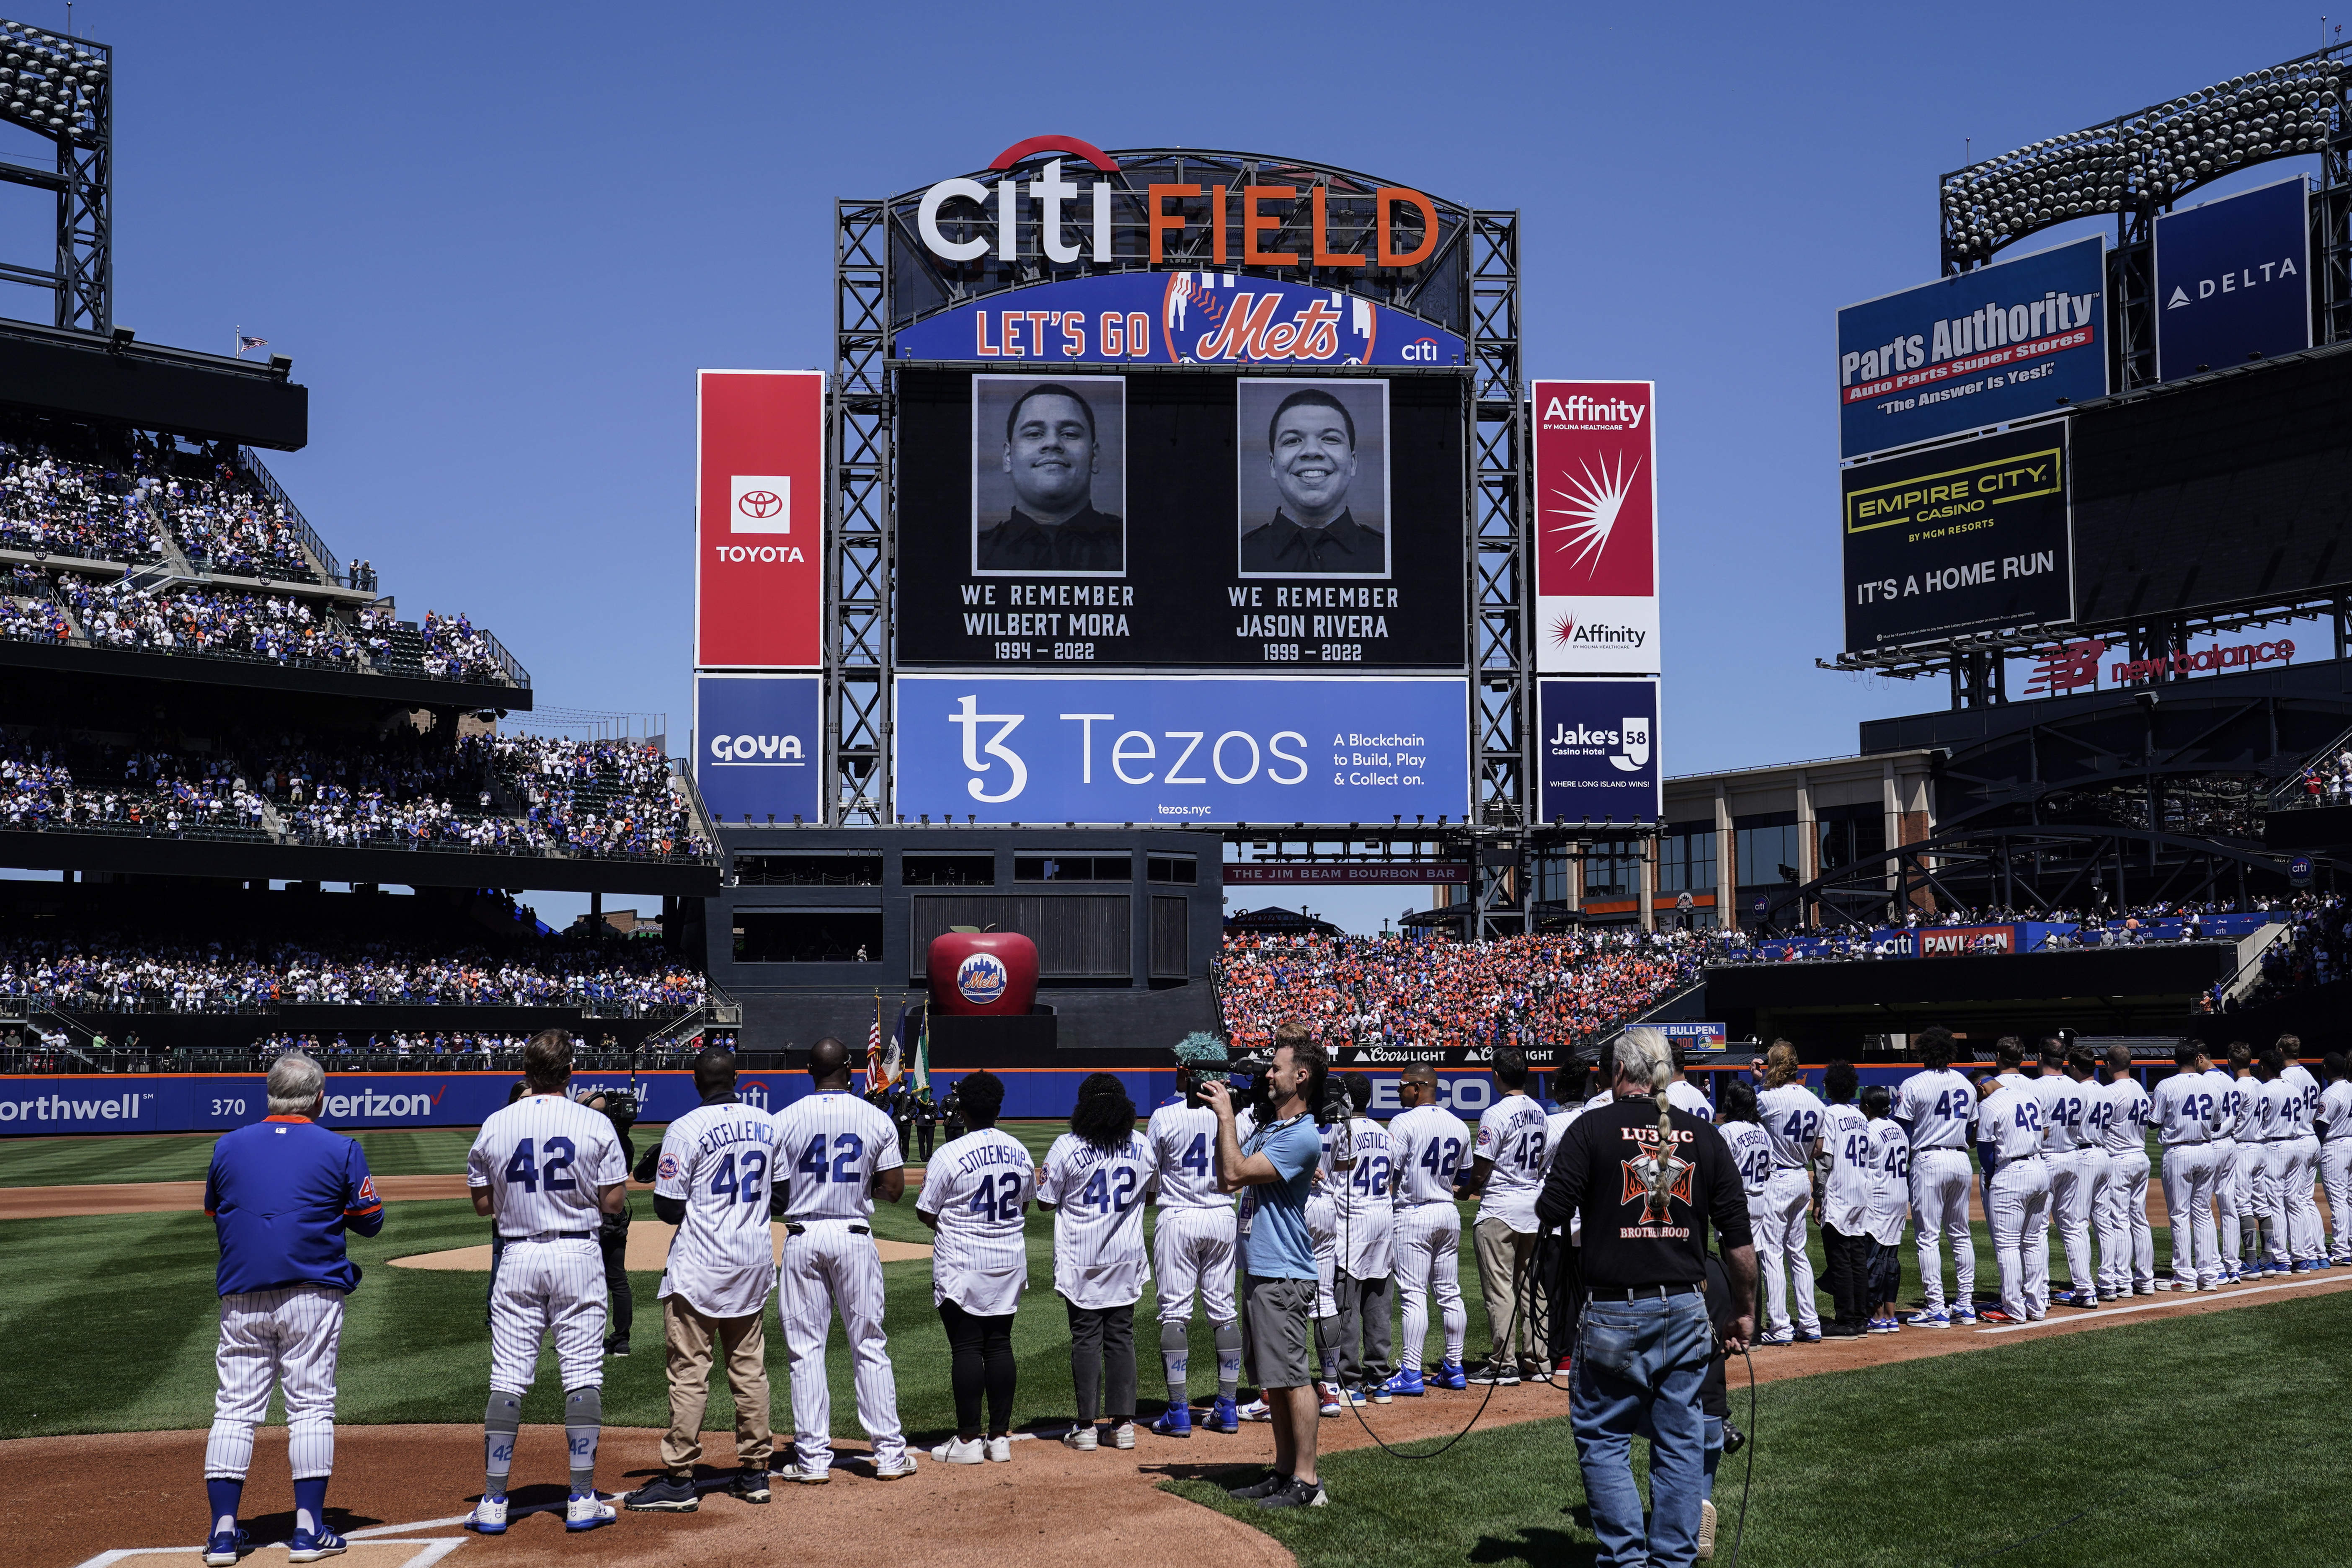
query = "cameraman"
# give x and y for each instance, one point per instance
(1279, 1162)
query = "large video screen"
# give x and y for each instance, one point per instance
(1174, 519)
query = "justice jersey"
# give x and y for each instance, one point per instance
(719, 1159)
(1097, 1197)
(977, 1188)
(830, 1146)
(1511, 1135)
(1430, 1145)
(541, 1159)
(1791, 1116)
(1183, 1143)
(2124, 1130)
(1362, 1214)
(1937, 1110)
(280, 1193)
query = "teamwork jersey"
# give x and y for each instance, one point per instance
(2070, 1113)
(2308, 1088)
(1183, 1142)
(2186, 1108)
(1752, 1151)
(1097, 1197)
(1432, 1145)
(829, 1147)
(976, 1187)
(1792, 1116)
(1511, 1134)
(1889, 1205)
(1845, 1195)
(2126, 1127)
(542, 1159)
(718, 1159)
(2011, 1121)
(281, 1194)
(2335, 1109)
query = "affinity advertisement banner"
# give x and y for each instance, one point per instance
(759, 511)
(2002, 342)
(2233, 280)
(1180, 318)
(1596, 511)
(759, 746)
(1181, 749)
(1599, 741)
(1970, 537)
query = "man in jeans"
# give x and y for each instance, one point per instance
(1646, 1180)
(1278, 1163)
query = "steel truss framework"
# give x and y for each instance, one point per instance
(74, 109)
(884, 279)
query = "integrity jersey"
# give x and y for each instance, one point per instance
(1097, 1196)
(718, 1160)
(1430, 1146)
(1511, 1135)
(830, 1146)
(542, 1159)
(977, 1187)
(2126, 1127)
(1183, 1143)
(1792, 1116)
(1936, 1110)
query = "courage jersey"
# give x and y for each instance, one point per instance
(1936, 1108)
(1511, 1135)
(718, 1160)
(829, 1147)
(1431, 1146)
(1845, 1141)
(1183, 1143)
(541, 1159)
(1791, 1116)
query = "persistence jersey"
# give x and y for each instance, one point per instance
(829, 1148)
(1511, 1134)
(1431, 1146)
(542, 1159)
(2186, 1108)
(1183, 1143)
(1791, 1118)
(1751, 1151)
(1097, 1196)
(1936, 1108)
(280, 1193)
(2126, 1125)
(977, 1187)
(718, 1160)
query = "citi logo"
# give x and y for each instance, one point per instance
(1420, 350)
(753, 1092)
(756, 751)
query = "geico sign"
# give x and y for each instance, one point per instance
(738, 750)
(1236, 219)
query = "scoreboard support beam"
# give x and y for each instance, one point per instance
(1503, 727)
(858, 535)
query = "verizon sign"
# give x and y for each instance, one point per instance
(1596, 527)
(758, 547)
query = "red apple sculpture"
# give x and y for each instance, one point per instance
(983, 974)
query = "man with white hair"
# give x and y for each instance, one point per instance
(281, 1193)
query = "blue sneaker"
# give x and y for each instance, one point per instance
(1964, 1315)
(489, 1516)
(1939, 1318)
(1177, 1421)
(1406, 1382)
(1225, 1417)
(588, 1510)
(1451, 1375)
(1809, 1336)
(224, 1549)
(1777, 1337)
(1355, 1396)
(314, 1545)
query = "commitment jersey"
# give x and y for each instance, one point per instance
(2070, 1113)
(542, 1159)
(1792, 1116)
(2126, 1125)
(1511, 1135)
(1183, 1143)
(1751, 1151)
(1845, 1195)
(1097, 1196)
(2186, 1108)
(281, 1194)
(1431, 1146)
(977, 1187)
(718, 1160)
(2009, 1120)
(830, 1146)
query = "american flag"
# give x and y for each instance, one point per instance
(874, 1049)
(245, 343)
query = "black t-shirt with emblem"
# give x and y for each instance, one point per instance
(1604, 1171)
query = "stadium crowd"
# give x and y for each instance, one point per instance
(2328, 782)
(276, 627)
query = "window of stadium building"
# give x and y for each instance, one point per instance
(1768, 847)
(948, 870)
(1175, 870)
(808, 936)
(1851, 834)
(845, 868)
(1613, 869)
(1687, 858)
(1074, 868)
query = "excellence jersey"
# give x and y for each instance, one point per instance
(1511, 1135)
(1936, 1110)
(1791, 1116)
(1751, 1151)
(830, 1146)
(719, 1158)
(977, 1187)
(2186, 1108)
(1430, 1147)
(541, 1159)
(2011, 1120)
(2124, 1127)
(1183, 1143)
(281, 1194)
(1097, 1196)
(2071, 1111)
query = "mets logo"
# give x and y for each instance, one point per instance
(982, 978)
(668, 1167)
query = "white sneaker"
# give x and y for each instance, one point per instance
(806, 1477)
(586, 1510)
(1000, 1450)
(489, 1516)
(1081, 1438)
(1123, 1434)
(894, 1469)
(1256, 1410)
(962, 1451)
(1705, 1531)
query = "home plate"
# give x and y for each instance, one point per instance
(648, 1251)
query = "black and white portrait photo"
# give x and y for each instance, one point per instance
(1049, 476)
(1312, 461)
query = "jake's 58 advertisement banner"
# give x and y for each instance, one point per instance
(1598, 746)
(1596, 508)
(758, 520)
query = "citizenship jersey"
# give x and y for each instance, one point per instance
(1937, 1110)
(2011, 1121)
(1751, 1151)
(1791, 1116)
(2336, 1110)
(830, 1145)
(2186, 1108)
(2126, 1126)
(1431, 1146)
(1845, 1195)
(281, 1194)
(542, 1159)
(1097, 1196)
(718, 1159)
(2070, 1113)
(1511, 1134)
(976, 1187)
(1889, 1205)
(2296, 1077)
(1183, 1143)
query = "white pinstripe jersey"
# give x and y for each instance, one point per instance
(1751, 1154)
(976, 1187)
(1097, 1201)
(1791, 1116)
(829, 1148)
(1511, 1134)
(542, 1159)
(719, 1158)
(1183, 1139)
(2126, 1119)
(2070, 1111)
(2298, 1076)
(1938, 1109)
(1431, 1146)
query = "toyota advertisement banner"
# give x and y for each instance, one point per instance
(2233, 280)
(759, 746)
(1599, 745)
(2000, 343)
(759, 510)
(1596, 517)
(1181, 749)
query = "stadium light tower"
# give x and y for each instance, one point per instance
(62, 88)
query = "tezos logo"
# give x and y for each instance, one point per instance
(982, 978)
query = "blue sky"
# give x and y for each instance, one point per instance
(498, 240)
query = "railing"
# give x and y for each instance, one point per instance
(2291, 795)
(506, 661)
(360, 663)
(158, 1003)
(266, 483)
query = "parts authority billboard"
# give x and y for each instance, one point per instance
(2233, 280)
(1596, 493)
(759, 746)
(1599, 745)
(759, 510)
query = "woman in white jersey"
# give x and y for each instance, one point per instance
(975, 1193)
(1094, 1183)
(1791, 1118)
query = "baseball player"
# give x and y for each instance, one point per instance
(2239, 1181)
(2299, 1163)
(2009, 1132)
(2071, 1108)
(718, 1164)
(546, 1169)
(1792, 1118)
(974, 1195)
(2334, 1126)
(1889, 1206)
(1428, 1144)
(281, 1193)
(1364, 1217)
(2127, 1244)
(1094, 1183)
(1192, 1243)
(1684, 1095)
(1844, 1205)
(2187, 1110)
(2271, 1128)
(835, 1153)
(1506, 1172)
(1936, 1108)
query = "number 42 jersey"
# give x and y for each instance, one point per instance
(829, 1148)
(718, 1159)
(542, 1159)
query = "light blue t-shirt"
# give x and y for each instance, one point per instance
(1279, 1247)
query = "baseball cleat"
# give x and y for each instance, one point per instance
(1778, 1336)
(2085, 1299)
(1224, 1417)
(1256, 1410)
(1406, 1382)
(801, 1473)
(588, 1510)
(1122, 1435)
(1964, 1315)
(1297, 1494)
(669, 1494)
(1809, 1336)
(1081, 1438)
(895, 1470)
(314, 1545)
(1000, 1450)
(224, 1549)
(1176, 1421)
(618, 1347)
(1939, 1318)
(489, 1516)
(750, 1484)
(1449, 1374)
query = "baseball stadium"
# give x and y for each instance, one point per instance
(899, 1110)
